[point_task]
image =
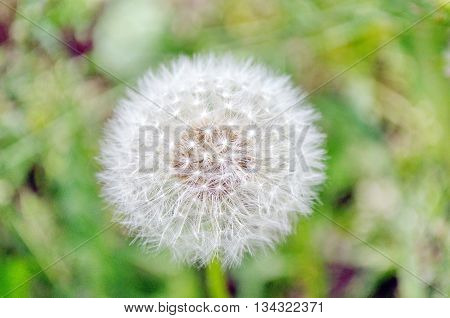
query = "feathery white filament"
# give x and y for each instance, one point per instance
(222, 169)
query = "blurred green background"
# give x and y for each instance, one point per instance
(387, 121)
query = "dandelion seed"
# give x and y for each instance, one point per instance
(214, 193)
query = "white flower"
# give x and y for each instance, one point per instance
(212, 157)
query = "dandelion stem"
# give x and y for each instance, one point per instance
(216, 281)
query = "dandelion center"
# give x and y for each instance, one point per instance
(212, 160)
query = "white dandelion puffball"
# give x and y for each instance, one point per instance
(211, 157)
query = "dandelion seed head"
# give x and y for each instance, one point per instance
(216, 186)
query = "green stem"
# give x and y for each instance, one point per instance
(216, 281)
